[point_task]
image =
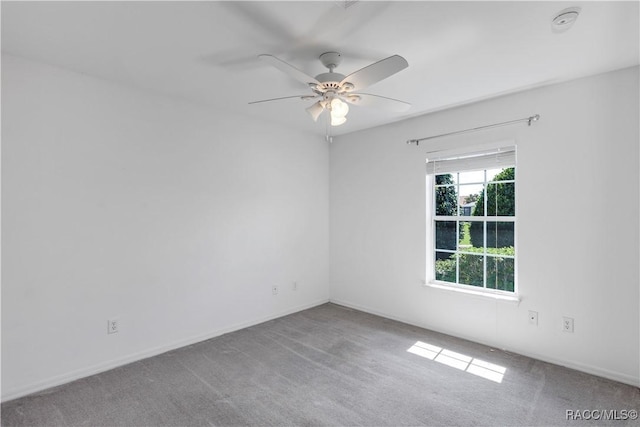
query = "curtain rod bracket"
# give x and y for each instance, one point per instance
(413, 141)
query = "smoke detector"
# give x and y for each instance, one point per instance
(565, 19)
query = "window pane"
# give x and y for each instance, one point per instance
(501, 199)
(447, 178)
(476, 235)
(446, 200)
(471, 269)
(505, 174)
(464, 239)
(501, 273)
(445, 267)
(500, 238)
(469, 195)
(446, 235)
(471, 177)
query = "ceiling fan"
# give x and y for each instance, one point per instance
(334, 91)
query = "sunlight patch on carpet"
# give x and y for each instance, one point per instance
(462, 362)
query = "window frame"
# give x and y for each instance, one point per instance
(460, 219)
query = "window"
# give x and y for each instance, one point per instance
(474, 220)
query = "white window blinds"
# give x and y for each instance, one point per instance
(448, 161)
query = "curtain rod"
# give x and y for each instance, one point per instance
(529, 120)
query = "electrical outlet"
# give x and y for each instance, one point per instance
(533, 317)
(113, 326)
(567, 324)
(295, 286)
(274, 289)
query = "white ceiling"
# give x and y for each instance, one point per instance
(458, 52)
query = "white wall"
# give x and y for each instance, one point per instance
(174, 218)
(577, 238)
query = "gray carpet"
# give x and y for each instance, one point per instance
(329, 365)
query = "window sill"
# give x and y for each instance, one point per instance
(452, 288)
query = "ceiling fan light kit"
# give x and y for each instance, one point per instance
(338, 111)
(337, 121)
(315, 110)
(339, 108)
(335, 89)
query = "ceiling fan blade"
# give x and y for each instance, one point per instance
(369, 100)
(302, 97)
(288, 69)
(375, 72)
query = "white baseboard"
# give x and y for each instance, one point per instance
(589, 369)
(111, 364)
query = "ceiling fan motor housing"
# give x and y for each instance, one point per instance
(330, 80)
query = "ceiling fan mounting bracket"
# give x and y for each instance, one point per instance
(331, 60)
